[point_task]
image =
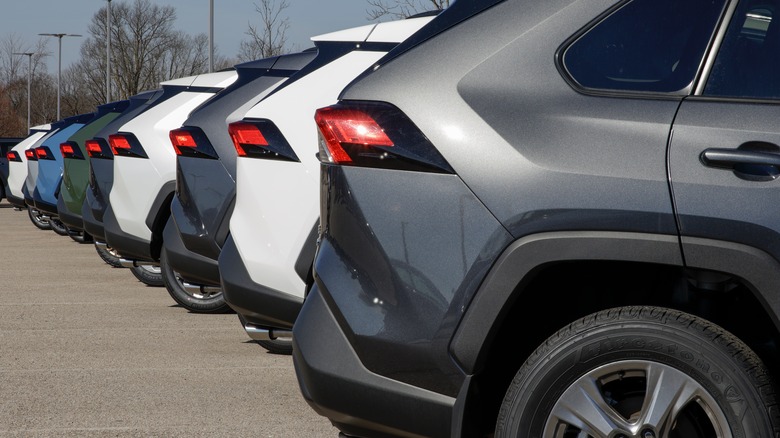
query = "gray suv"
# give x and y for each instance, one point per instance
(554, 219)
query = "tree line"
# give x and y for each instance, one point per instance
(146, 49)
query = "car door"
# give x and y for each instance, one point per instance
(724, 159)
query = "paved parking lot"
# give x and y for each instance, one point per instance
(87, 350)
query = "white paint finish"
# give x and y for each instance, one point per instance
(17, 171)
(137, 181)
(397, 31)
(270, 226)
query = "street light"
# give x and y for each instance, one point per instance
(59, 63)
(29, 79)
(211, 36)
(108, 52)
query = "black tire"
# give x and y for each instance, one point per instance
(81, 236)
(278, 345)
(148, 275)
(109, 256)
(620, 372)
(37, 219)
(58, 227)
(204, 302)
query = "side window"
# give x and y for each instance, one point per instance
(645, 46)
(748, 62)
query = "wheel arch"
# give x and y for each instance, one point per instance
(490, 321)
(158, 216)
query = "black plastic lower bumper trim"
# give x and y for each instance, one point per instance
(260, 305)
(128, 246)
(336, 384)
(192, 267)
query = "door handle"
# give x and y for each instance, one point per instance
(746, 164)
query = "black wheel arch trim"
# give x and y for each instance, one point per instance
(158, 216)
(482, 317)
(758, 269)
(303, 265)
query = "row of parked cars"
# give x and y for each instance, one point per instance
(536, 219)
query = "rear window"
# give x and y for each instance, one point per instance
(645, 46)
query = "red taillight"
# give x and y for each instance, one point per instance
(348, 126)
(245, 134)
(118, 142)
(375, 134)
(30, 154)
(66, 150)
(41, 153)
(13, 156)
(93, 148)
(182, 139)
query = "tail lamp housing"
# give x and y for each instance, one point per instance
(13, 156)
(126, 145)
(375, 134)
(98, 148)
(30, 154)
(44, 153)
(70, 149)
(260, 138)
(192, 142)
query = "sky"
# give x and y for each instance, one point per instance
(307, 18)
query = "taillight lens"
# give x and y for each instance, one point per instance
(260, 138)
(375, 134)
(13, 156)
(44, 153)
(70, 149)
(192, 142)
(98, 148)
(126, 145)
(30, 155)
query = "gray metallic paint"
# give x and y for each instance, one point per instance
(397, 296)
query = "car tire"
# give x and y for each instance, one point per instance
(194, 302)
(662, 372)
(80, 236)
(109, 256)
(149, 275)
(277, 346)
(58, 227)
(37, 219)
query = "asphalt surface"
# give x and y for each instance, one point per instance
(86, 350)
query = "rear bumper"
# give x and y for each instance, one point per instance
(67, 217)
(192, 267)
(16, 202)
(127, 245)
(259, 305)
(328, 369)
(91, 225)
(45, 207)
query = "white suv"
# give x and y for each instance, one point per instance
(145, 170)
(17, 172)
(265, 265)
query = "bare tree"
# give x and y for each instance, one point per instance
(398, 9)
(145, 50)
(77, 96)
(14, 74)
(269, 37)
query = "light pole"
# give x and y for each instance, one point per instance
(211, 36)
(59, 63)
(29, 80)
(108, 52)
